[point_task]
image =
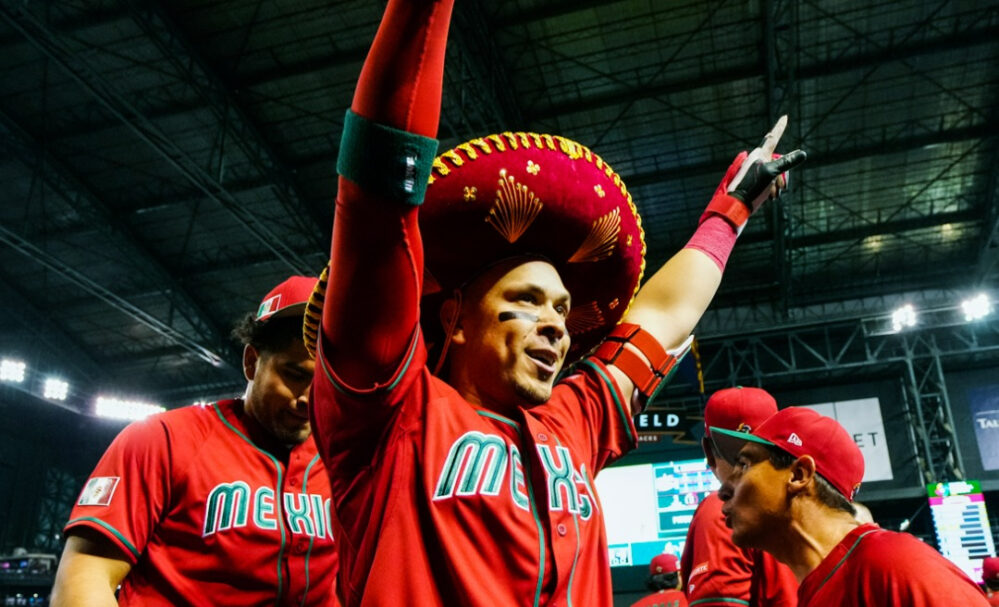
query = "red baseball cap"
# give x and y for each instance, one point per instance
(664, 563)
(287, 298)
(740, 409)
(801, 431)
(990, 568)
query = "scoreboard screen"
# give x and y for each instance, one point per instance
(962, 525)
(647, 508)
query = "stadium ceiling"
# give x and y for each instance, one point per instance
(165, 163)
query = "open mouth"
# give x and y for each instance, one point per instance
(544, 359)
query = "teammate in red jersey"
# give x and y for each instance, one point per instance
(219, 504)
(789, 494)
(990, 576)
(483, 484)
(717, 573)
(664, 582)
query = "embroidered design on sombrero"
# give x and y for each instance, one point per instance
(533, 168)
(515, 208)
(470, 192)
(584, 318)
(599, 243)
(314, 312)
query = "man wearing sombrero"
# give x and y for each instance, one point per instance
(475, 486)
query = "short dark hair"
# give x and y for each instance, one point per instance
(663, 581)
(827, 494)
(992, 584)
(274, 335)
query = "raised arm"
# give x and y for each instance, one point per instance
(371, 310)
(673, 300)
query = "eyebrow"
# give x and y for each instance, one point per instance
(560, 296)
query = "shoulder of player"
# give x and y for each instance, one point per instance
(908, 552)
(196, 421)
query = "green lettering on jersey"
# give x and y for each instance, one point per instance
(227, 506)
(263, 509)
(297, 509)
(479, 459)
(518, 485)
(560, 478)
(319, 514)
(585, 501)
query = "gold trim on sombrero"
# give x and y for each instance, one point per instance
(314, 313)
(599, 243)
(584, 318)
(515, 208)
(576, 151)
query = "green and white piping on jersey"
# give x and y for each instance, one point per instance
(625, 416)
(719, 599)
(531, 500)
(115, 532)
(277, 502)
(343, 388)
(320, 521)
(845, 556)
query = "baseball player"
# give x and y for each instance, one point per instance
(214, 504)
(717, 573)
(990, 576)
(664, 582)
(789, 494)
(480, 480)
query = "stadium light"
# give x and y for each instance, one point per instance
(976, 307)
(903, 317)
(129, 410)
(12, 370)
(55, 389)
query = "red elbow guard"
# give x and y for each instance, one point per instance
(648, 374)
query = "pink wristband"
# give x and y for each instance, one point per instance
(715, 237)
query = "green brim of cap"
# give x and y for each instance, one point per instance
(730, 442)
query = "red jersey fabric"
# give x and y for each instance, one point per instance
(993, 597)
(717, 573)
(663, 598)
(207, 517)
(441, 502)
(872, 567)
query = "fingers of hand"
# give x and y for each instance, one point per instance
(788, 161)
(773, 137)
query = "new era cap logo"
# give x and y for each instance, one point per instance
(794, 440)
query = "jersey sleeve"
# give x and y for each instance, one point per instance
(128, 492)
(717, 574)
(590, 400)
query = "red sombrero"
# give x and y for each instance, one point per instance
(528, 194)
(514, 194)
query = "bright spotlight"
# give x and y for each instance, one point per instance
(977, 307)
(903, 317)
(115, 408)
(55, 389)
(12, 370)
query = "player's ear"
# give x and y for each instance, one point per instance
(250, 358)
(450, 310)
(802, 472)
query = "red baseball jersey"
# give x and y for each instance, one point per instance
(717, 573)
(993, 597)
(442, 502)
(663, 598)
(872, 567)
(205, 516)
